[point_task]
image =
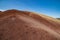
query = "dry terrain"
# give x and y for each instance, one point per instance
(24, 25)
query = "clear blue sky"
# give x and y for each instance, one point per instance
(47, 7)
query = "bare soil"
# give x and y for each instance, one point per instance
(23, 25)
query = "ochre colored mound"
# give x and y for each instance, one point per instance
(23, 25)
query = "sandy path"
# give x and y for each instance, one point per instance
(36, 24)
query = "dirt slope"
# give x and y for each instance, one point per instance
(23, 25)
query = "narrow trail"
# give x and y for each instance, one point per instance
(38, 25)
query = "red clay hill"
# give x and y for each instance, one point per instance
(24, 25)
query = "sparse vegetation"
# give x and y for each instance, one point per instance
(58, 18)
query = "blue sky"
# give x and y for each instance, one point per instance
(47, 7)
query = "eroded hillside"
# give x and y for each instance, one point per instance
(24, 25)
